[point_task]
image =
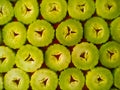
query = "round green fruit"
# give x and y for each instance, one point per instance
(1, 82)
(44, 79)
(40, 33)
(115, 29)
(53, 10)
(6, 12)
(110, 54)
(71, 79)
(57, 57)
(26, 11)
(108, 9)
(85, 56)
(14, 34)
(116, 74)
(69, 32)
(96, 30)
(16, 79)
(99, 78)
(0, 36)
(81, 9)
(7, 59)
(29, 58)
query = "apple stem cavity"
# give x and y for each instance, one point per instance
(84, 55)
(44, 81)
(16, 81)
(97, 30)
(72, 79)
(2, 59)
(29, 58)
(15, 34)
(110, 53)
(27, 9)
(57, 56)
(69, 31)
(40, 32)
(81, 7)
(1, 10)
(99, 79)
(109, 6)
(53, 7)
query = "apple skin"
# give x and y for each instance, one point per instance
(16, 33)
(1, 82)
(0, 37)
(99, 78)
(16, 79)
(6, 12)
(44, 79)
(26, 11)
(53, 10)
